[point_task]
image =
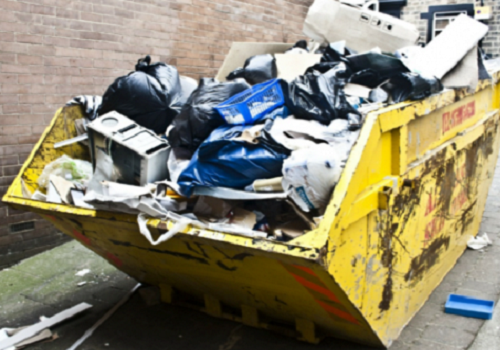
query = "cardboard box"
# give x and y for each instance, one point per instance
(289, 66)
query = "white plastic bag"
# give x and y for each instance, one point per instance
(74, 170)
(310, 174)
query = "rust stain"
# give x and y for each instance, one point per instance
(446, 186)
(429, 257)
(387, 258)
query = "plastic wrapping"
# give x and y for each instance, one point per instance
(371, 69)
(233, 156)
(74, 170)
(151, 96)
(300, 47)
(257, 69)
(90, 104)
(252, 105)
(320, 97)
(188, 85)
(411, 86)
(310, 174)
(198, 117)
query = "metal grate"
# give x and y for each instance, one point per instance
(22, 226)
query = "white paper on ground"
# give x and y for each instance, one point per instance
(448, 48)
(479, 242)
(82, 272)
(329, 21)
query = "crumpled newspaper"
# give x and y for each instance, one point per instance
(479, 242)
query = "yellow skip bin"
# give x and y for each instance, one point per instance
(412, 193)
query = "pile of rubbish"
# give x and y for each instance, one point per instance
(258, 150)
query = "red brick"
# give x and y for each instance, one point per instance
(8, 78)
(43, 10)
(56, 61)
(86, 44)
(29, 38)
(29, 60)
(11, 170)
(16, 109)
(9, 99)
(30, 79)
(61, 12)
(31, 99)
(14, 6)
(43, 108)
(11, 160)
(31, 139)
(91, 17)
(6, 36)
(15, 130)
(56, 41)
(38, 129)
(8, 140)
(14, 89)
(32, 119)
(10, 239)
(78, 25)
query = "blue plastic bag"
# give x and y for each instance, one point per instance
(223, 160)
(253, 104)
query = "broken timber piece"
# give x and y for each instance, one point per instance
(33, 330)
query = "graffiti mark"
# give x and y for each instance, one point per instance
(167, 252)
(320, 293)
(426, 260)
(458, 116)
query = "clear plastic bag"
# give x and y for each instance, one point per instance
(74, 170)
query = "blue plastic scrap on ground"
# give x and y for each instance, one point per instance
(469, 307)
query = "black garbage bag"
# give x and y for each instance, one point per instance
(411, 86)
(299, 47)
(343, 71)
(150, 96)
(257, 69)
(371, 69)
(319, 97)
(198, 118)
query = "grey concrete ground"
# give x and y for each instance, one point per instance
(46, 284)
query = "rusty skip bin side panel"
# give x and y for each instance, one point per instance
(412, 192)
(393, 242)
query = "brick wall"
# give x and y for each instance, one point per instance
(51, 50)
(491, 44)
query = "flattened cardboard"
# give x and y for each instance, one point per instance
(465, 73)
(329, 21)
(240, 51)
(447, 49)
(290, 66)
